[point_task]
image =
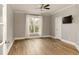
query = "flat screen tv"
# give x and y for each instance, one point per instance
(67, 19)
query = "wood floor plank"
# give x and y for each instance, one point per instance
(43, 46)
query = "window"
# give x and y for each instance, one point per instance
(34, 25)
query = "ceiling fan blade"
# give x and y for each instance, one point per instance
(47, 8)
(46, 5)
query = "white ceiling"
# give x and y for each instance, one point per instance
(35, 8)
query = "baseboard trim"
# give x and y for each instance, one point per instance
(21, 38)
(72, 43)
(77, 47)
(69, 42)
(9, 48)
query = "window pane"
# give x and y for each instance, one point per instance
(36, 24)
(31, 26)
(36, 28)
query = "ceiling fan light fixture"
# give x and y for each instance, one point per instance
(45, 6)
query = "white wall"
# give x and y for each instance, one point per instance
(70, 31)
(53, 26)
(1, 30)
(9, 27)
(20, 23)
(47, 25)
(0, 10)
(1, 25)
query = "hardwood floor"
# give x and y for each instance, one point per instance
(44, 46)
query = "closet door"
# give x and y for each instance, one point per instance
(58, 23)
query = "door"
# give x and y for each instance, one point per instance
(58, 23)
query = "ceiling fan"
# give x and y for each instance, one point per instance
(45, 6)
